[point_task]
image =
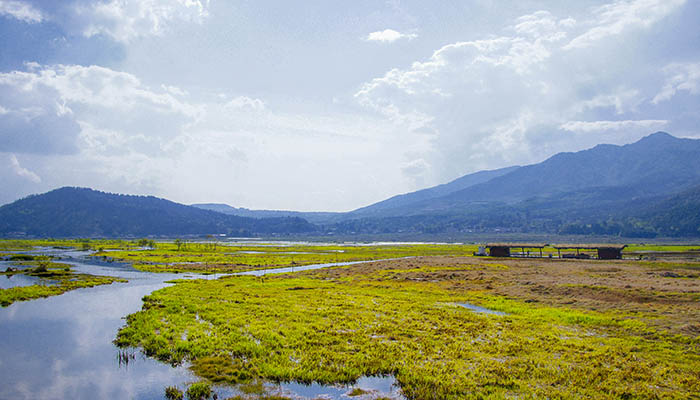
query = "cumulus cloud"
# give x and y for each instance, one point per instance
(622, 100)
(23, 172)
(21, 11)
(475, 99)
(245, 102)
(46, 106)
(389, 36)
(125, 136)
(620, 16)
(126, 20)
(511, 98)
(597, 126)
(680, 77)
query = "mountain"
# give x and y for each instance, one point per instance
(648, 188)
(433, 192)
(655, 165)
(644, 189)
(82, 212)
(313, 217)
(678, 215)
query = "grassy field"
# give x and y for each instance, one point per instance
(572, 329)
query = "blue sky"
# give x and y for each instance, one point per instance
(328, 105)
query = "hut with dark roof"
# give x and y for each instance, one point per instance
(504, 249)
(605, 251)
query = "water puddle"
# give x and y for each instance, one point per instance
(367, 387)
(480, 310)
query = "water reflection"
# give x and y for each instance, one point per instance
(261, 272)
(480, 310)
(61, 347)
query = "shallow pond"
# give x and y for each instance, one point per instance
(61, 347)
(480, 310)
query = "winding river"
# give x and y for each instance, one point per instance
(61, 347)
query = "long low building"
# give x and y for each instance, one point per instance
(605, 251)
(504, 249)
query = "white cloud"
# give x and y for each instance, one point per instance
(680, 77)
(389, 36)
(94, 86)
(620, 16)
(124, 136)
(21, 11)
(622, 100)
(509, 98)
(126, 20)
(23, 172)
(598, 126)
(49, 104)
(244, 102)
(470, 95)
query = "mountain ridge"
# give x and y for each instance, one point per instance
(74, 211)
(647, 188)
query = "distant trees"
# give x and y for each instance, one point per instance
(146, 243)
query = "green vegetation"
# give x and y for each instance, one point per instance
(212, 257)
(402, 318)
(83, 244)
(173, 393)
(198, 391)
(57, 279)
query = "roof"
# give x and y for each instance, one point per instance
(518, 245)
(590, 246)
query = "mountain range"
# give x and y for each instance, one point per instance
(645, 189)
(83, 212)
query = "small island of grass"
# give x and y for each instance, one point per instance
(54, 278)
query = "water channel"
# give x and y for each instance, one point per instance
(61, 347)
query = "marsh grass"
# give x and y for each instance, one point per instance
(332, 328)
(236, 258)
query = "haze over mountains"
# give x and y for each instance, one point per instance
(644, 189)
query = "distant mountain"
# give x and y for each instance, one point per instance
(81, 212)
(433, 192)
(313, 217)
(643, 189)
(657, 164)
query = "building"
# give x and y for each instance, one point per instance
(505, 249)
(605, 251)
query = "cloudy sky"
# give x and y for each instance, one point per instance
(325, 104)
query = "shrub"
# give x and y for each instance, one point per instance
(199, 391)
(173, 393)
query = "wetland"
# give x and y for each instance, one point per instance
(415, 321)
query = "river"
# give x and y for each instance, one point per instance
(61, 347)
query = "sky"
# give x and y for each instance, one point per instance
(328, 105)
